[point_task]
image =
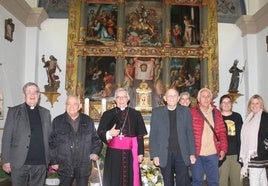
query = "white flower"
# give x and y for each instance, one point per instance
(151, 175)
(154, 179)
(144, 179)
(145, 166)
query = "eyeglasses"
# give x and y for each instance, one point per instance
(172, 96)
(121, 97)
(29, 93)
(226, 103)
(184, 99)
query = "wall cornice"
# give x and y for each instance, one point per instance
(252, 24)
(30, 17)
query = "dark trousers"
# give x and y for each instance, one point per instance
(35, 173)
(175, 167)
(68, 181)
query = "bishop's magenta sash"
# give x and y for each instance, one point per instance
(128, 143)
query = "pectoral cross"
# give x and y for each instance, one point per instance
(121, 136)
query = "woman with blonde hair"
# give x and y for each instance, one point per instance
(254, 142)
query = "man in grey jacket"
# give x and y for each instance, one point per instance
(25, 140)
(171, 140)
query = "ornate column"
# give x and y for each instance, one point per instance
(166, 72)
(120, 21)
(83, 23)
(119, 76)
(204, 74)
(167, 45)
(166, 23)
(81, 75)
(81, 64)
(119, 68)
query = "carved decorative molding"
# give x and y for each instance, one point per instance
(30, 17)
(252, 24)
(52, 97)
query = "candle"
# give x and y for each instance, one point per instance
(103, 105)
(192, 13)
(86, 106)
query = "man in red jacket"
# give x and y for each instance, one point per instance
(210, 140)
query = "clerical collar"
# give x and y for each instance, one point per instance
(122, 108)
(172, 108)
(30, 107)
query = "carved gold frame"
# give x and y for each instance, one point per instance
(77, 49)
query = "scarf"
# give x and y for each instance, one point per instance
(249, 140)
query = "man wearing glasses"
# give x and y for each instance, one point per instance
(122, 129)
(25, 140)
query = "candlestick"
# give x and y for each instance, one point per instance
(103, 105)
(86, 106)
(192, 13)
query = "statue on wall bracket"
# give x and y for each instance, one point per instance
(53, 80)
(235, 80)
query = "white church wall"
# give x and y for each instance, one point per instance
(230, 48)
(262, 53)
(249, 44)
(53, 41)
(12, 58)
(253, 6)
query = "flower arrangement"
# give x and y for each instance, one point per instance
(52, 173)
(52, 177)
(151, 175)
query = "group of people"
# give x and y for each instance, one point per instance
(180, 137)
(215, 143)
(68, 144)
(30, 143)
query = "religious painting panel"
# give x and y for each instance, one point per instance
(143, 80)
(99, 79)
(9, 29)
(143, 49)
(185, 26)
(185, 75)
(143, 23)
(101, 24)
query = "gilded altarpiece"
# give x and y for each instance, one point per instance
(144, 46)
